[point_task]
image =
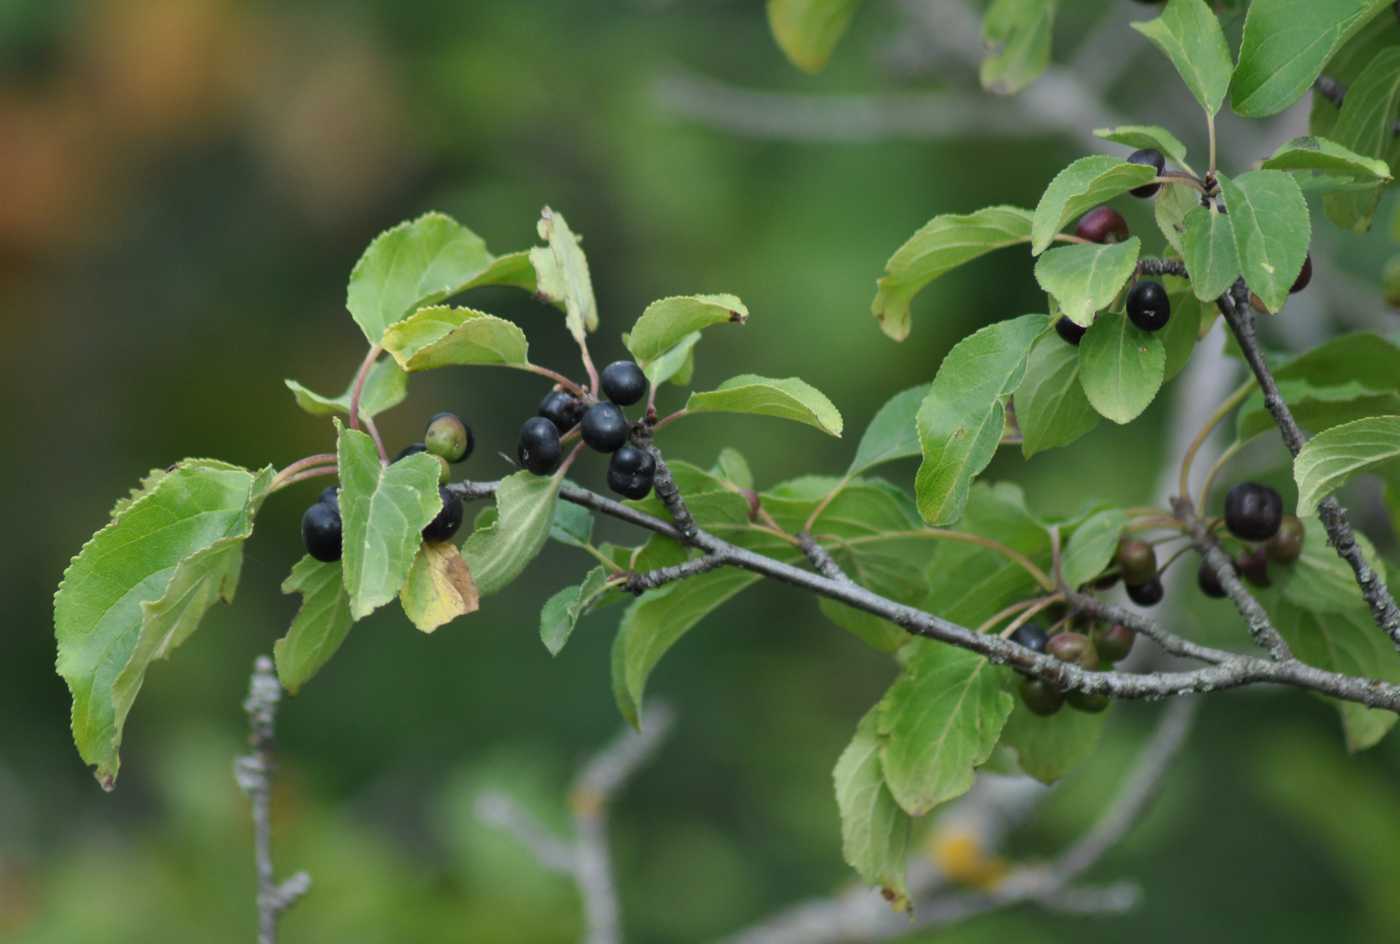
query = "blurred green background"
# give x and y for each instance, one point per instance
(184, 187)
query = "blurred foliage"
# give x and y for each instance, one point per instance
(184, 185)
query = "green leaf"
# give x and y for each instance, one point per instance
(498, 553)
(944, 243)
(670, 322)
(656, 621)
(439, 587)
(964, 414)
(383, 510)
(1335, 456)
(1047, 748)
(1092, 546)
(732, 465)
(1319, 580)
(1080, 187)
(712, 500)
(808, 30)
(1270, 220)
(1016, 34)
(1170, 209)
(1182, 332)
(1316, 408)
(1208, 249)
(1285, 46)
(788, 399)
(562, 273)
(1051, 408)
(421, 263)
(879, 634)
(385, 388)
(676, 365)
(1366, 126)
(1189, 34)
(322, 622)
(572, 525)
(139, 587)
(1121, 367)
(562, 611)
(874, 830)
(1086, 278)
(442, 336)
(938, 722)
(892, 434)
(1147, 136)
(1322, 164)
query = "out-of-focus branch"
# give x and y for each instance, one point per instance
(586, 858)
(254, 775)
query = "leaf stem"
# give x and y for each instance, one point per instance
(1235, 449)
(669, 419)
(321, 458)
(280, 483)
(1183, 482)
(555, 376)
(826, 502)
(1030, 612)
(358, 390)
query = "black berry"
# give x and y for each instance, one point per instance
(539, 449)
(1254, 567)
(320, 531)
(331, 496)
(1253, 512)
(1149, 306)
(604, 427)
(1114, 642)
(1085, 701)
(1040, 697)
(1070, 331)
(1075, 648)
(1154, 159)
(624, 383)
(412, 449)
(447, 521)
(562, 409)
(1286, 545)
(1208, 581)
(1102, 225)
(1147, 594)
(631, 471)
(1031, 636)
(449, 437)
(1304, 276)
(1137, 561)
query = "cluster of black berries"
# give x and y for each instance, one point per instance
(1254, 514)
(447, 438)
(602, 425)
(1100, 647)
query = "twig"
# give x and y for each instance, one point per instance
(253, 772)
(670, 496)
(819, 558)
(1235, 307)
(637, 584)
(1332, 90)
(1162, 267)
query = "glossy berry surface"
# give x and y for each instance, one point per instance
(447, 436)
(1075, 648)
(604, 427)
(631, 472)
(1147, 594)
(1152, 158)
(539, 449)
(1031, 636)
(1070, 331)
(1208, 581)
(445, 525)
(1304, 275)
(1137, 561)
(1253, 512)
(1148, 305)
(1254, 567)
(412, 449)
(1286, 545)
(1040, 697)
(1084, 701)
(562, 409)
(1113, 642)
(1102, 225)
(320, 532)
(331, 496)
(623, 382)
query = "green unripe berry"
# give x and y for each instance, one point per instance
(447, 436)
(1074, 648)
(1137, 561)
(1286, 545)
(1040, 697)
(1114, 642)
(1084, 701)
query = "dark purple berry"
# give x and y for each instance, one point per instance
(447, 521)
(1071, 332)
(631, 472)
(539, 449)
(321, 532)
(1148, 305)
(604, 427)
(562, 409)
(1086, 701)
(1147, 594)
(623, 382)
(1253, 512)
(1040, 697)
(1154, 159)
(1031, 636)
(1254, 567)
(1208, 582)
(1304, 276)
(1102, 225)
(1114, 642)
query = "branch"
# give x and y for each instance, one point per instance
(253, 772)
(1235, 307)
(587, 859)
(637, 584)
(824, 563)
(1162, 267)
(1335, 92)
(1226, 669)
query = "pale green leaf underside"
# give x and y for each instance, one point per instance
(668, 322)
(1047, 748)
(1086, 278)
(383, 511)
(1328, 160)
(1269, 218)
(786, 398)
(562, 611)
(963, 416)
(385, 388)
(1335, 456)
(874, 830)
(1080, 187)
(320, 626)
(1189, 34)
(562, 273)
(1120, 367)
(941, 245)
(442, 336)
(892, 434)
(808, 30)
(498, 553)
